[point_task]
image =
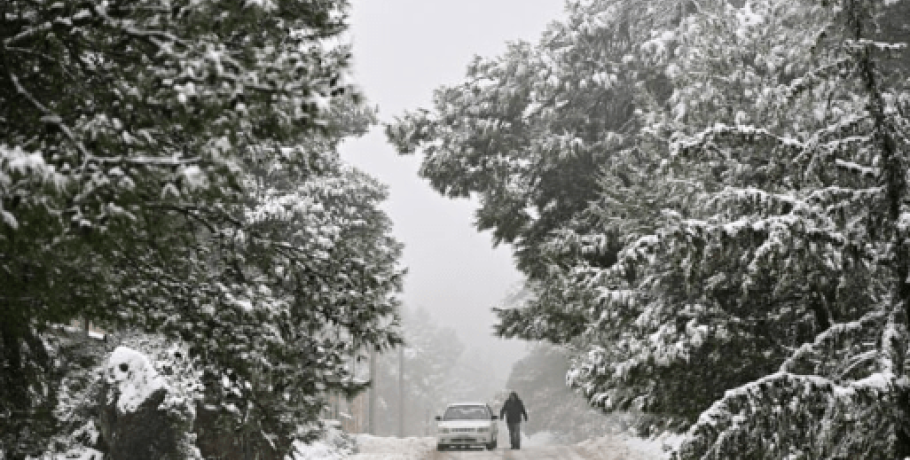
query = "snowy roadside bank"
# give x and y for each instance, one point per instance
(633, 448)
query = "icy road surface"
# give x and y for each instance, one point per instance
(606, 448)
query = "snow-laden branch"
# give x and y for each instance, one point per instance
(833, 333)
(818, 76)
(50, 117)
(785, 415)
(724, 132)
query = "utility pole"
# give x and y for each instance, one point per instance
(401, 391)
(372, 407)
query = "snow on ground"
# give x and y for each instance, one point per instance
(318, 450)
(608, 447)
(541, 438)
(383, 448)
(334, 444)
(634, 448)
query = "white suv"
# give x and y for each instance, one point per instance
(466, 425)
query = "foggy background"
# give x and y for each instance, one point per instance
(455, 274)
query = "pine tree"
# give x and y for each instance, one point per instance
(741, 268)
(529, 132)
(847, 387)
(172, 166)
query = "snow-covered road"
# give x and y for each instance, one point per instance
(534, 453)
(606, 448)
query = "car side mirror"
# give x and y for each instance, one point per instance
(494, 418)
(438, 418)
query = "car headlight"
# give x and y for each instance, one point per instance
(483, 430)
(443, 430)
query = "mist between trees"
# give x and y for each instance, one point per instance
(439, 369)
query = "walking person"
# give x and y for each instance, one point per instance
(511, 412)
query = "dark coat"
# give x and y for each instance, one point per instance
(513, 410)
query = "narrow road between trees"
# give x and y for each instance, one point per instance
(529, 453)
(606, 448)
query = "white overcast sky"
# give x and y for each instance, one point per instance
(404, 49)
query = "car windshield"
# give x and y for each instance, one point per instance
(466, 413)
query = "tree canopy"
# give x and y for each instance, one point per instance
(173, 166)
(735, 261)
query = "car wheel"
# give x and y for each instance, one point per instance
(440, 447)
(492, 445)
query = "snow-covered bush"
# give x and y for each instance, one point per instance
(131, 378)
(332, 444)
(139, 416)
(142, 391)
(104, 384)
(79, 362)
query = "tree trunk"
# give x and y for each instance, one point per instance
(14, 390)
(401, 391)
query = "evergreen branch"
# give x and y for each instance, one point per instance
(739, 422)
(833, 333)
(812, 79)
(50, 117)
(734, 134)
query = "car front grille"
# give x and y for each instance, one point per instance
(462, 430)
(464, 440)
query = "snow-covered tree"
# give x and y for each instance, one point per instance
(742, 265)
(781, 230)
(699, 279)
(541, 133)
(528, 132)
(840, 394)
(172, 165)
(312, 274)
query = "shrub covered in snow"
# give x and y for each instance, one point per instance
(138, 418)
(123, 402)
(332, 444)
(142, 396)
(131, 379)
